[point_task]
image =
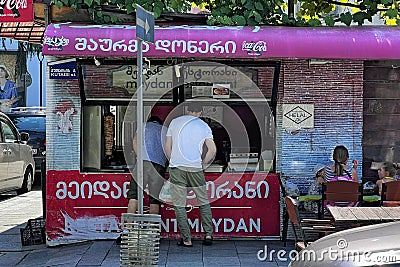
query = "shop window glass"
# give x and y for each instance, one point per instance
(119, 82)
(108, 90)
(9, 135)
(227, 83)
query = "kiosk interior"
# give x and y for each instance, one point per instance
(235, 107)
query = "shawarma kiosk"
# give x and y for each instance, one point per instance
(91, 119)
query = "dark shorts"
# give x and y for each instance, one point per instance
(153, 177)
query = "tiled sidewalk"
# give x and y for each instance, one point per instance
(221, 253)
(15, 212)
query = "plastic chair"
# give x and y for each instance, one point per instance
(305, 225)
(390, 194)
(341, 191)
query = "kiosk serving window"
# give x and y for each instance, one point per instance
(241, 94)
(107, 91)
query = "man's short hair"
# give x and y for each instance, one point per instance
(155, 119)
(194, 107)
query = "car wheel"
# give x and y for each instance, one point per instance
(27, 184)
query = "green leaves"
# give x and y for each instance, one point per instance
(259, 6)
(58, 4)
(346, 18)
(130, 9)
(257, 17)
(386, 2)
(392, 13)
(329, 21)
(239, 20)
(314, 22)
(225, 10)
(255, 12)
(249, 5)
(359, 17)
(158, 9)
(348, 12)
(244, 12)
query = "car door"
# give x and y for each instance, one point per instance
(15, 163)
(3, 162)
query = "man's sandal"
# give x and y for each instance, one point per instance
(182, 244)
(208, 240)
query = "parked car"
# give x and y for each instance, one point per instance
(372, 245)
(33, 121)
(17, 165)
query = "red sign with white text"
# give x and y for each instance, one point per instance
(242, 205)
(89, 206)
(16, 10)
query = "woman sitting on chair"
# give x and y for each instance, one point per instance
(340, 170)
(386, 174)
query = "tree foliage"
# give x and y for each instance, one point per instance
(244, 12)
(25, 50)
(350, 12)
(253, 12)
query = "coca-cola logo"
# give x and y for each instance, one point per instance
(13, 4)
(254, 48)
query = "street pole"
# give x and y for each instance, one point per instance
(41, 83)
(144, 32)
(139, 115)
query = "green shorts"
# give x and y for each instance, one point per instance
(153, 177)
(184, 179)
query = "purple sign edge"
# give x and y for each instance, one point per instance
(226, 42)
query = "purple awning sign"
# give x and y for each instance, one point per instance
(226, 42)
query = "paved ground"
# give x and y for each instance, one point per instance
(15, 212)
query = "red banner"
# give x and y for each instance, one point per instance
(89, 206)
(16, 10)
(242, 205)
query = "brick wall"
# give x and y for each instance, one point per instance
(336, 90)
(62, 148)
(265, 80)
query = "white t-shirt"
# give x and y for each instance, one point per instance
(188, 135)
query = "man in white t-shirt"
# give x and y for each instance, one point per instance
(186, 136)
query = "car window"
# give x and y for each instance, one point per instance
(30, 124)
(9, 135)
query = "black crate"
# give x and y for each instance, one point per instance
(37, 223)
(34, 233)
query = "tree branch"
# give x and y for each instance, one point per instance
(350, 5)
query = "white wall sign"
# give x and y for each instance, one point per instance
(156, 79)
(298, 116)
